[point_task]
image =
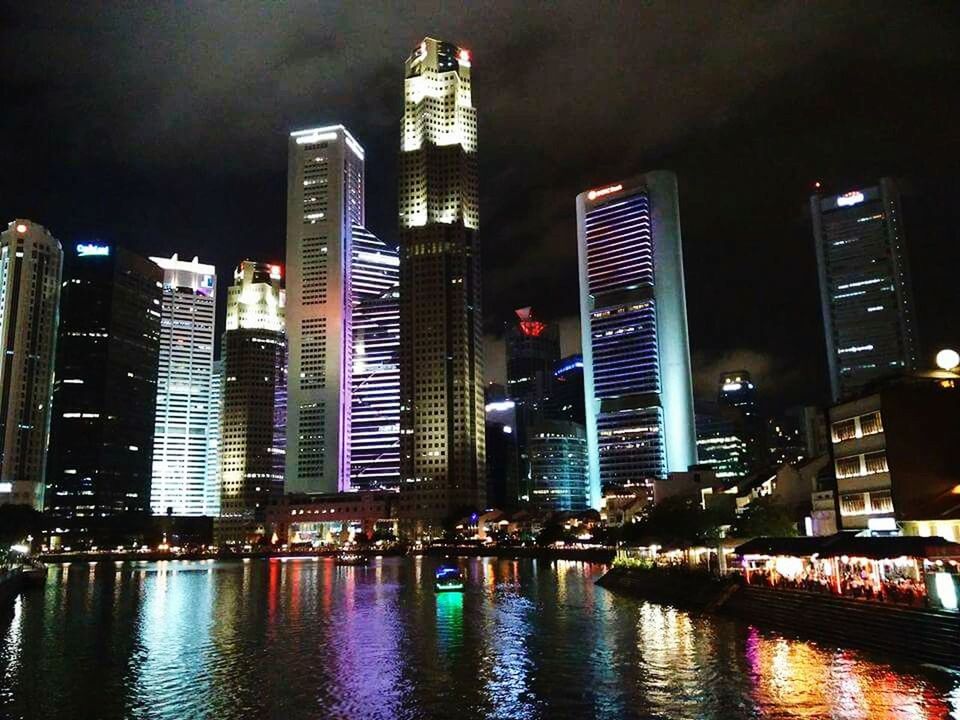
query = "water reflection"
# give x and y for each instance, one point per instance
(305, 639)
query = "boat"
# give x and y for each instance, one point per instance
(351, 558)
(448, 579)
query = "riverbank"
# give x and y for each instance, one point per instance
(929, 636)
(591, 555)
(156, 556)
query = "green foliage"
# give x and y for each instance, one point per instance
(765, 517)
(678, 521)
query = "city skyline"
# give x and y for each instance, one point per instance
(747, 130)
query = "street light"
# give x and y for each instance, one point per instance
(948, 359)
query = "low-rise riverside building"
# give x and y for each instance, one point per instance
(331, 518)
(896, 456)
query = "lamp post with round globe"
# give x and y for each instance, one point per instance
(948, 360)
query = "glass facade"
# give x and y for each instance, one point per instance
(558, 467)
(181, 475)
(865, 290)
(639, 405)
(104, 399)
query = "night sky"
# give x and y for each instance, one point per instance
(163, 128)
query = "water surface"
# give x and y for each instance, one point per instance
(304, 638)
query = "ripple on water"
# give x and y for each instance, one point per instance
(307, 639)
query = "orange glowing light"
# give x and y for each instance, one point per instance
(276, 272)
(464, 56)
(600, 192)
(21, 228)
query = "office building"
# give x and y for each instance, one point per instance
(442, 430)
(504, 490)
(31, 262)
(104, 397)
(252, 425)
(181, 477)
(720, 445)
(214, 437)
(566, 401)
(533, 348)
(865, 290)
(325, 200)
(558, 466)
(375, 374)
(636, 358)
(738, 404)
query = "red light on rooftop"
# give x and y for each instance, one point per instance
(276, 272)
(464, 56)
(600, 192)
(532, 328)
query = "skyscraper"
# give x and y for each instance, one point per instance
(738, 405)
(532, 350)
(181, 476)
(375, 372)
(31, 260)
(214, 439)
(636, 358)
(558, 466)
(865, 290)
(566, 391)
(325, 199)
(104, 398)
(441, 338)
(253, 412)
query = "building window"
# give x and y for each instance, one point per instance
(881, 501)
(848, 467)
(844, 430)
(870, 424)
(875, 463)
(853, 504)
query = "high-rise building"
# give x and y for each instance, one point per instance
(865, 289)
(325, 200)
(502, 454)
(31, 261)
(636, 358)
(720, 445)
(104, 397)
(566, 391)
(558, 466)
(738, 404)
(533, 348)
(253, 412)
(442, 428)
(214, 438)
(375, 373)
(181, 476)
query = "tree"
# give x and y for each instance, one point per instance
(679, 521)
(764, 516)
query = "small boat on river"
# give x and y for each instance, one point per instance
(448, 579)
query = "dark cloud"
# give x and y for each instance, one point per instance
(163, 126)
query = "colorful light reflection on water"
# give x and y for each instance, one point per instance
(308, 639)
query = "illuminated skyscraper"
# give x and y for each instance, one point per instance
(636, 359)
(441, 339)
(375, 376)
(104, 398)
(253, 413)
(181, 476)
(558, 466)
(30, 266)
(214, 437)
(325, 195)
(865, 290)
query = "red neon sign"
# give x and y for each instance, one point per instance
(600, 192)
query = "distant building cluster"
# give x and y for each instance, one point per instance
(349, 392)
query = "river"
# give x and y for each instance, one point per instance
(303, 638)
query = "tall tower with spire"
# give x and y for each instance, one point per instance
(441, 337)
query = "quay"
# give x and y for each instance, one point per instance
(896, 595)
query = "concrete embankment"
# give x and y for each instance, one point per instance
(923, 635)
(593, 555)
